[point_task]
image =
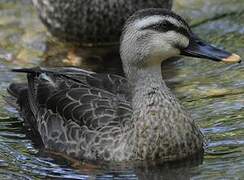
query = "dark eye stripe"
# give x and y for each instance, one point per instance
(165, 26)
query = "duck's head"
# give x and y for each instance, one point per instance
(153, 35)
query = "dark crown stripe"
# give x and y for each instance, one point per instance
(165, 26)
(156, 11)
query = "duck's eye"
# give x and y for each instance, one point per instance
(163, 26)
(160, 27)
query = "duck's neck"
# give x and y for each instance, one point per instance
(150, 94)
(162, 127)
(148, 84)
(149, 78)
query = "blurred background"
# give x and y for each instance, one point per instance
(212, 92)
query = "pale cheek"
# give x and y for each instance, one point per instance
(175, 38)
(162, 46)
(183, 41)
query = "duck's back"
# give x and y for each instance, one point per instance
(90, 21)
(73, 111)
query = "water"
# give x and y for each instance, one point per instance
(212, 92)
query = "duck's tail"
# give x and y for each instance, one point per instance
(15, 89)
(19, 99)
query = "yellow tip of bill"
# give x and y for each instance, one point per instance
(232, 59)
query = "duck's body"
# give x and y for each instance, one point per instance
(108, 117)
(83, 114)
(96, 116)
(88, 22)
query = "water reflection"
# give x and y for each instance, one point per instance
(98, 59)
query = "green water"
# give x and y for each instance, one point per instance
(212, 92)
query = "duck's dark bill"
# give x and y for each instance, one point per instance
(200, 49)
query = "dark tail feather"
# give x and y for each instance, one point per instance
(36, 70)
(19, 99)
(15, 89)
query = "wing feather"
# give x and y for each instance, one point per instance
(91, 100)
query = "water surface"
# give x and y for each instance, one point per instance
(212, 92)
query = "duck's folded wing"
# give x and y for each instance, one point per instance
(87, 98)
(92, 107)
(75, 77)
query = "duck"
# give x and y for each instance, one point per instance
(111, 118)
(90, 23)
(89, 31)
